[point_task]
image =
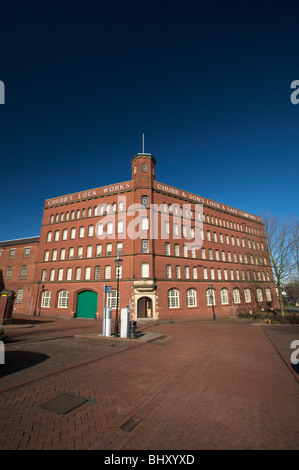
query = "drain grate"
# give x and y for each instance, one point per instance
(64, 403)
(130, 424)
(162, 341)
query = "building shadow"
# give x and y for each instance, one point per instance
(16, 361)
(29, 321)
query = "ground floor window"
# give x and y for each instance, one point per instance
(236, 296)
(210, 297)
(173, 298)
(247, 295)
(268, 295)
(259, 295)
(111, 299)
(224, 296)
(46, 299)
(63, 299)
(191, 298)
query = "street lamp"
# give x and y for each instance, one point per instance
(118, 262)
(38, 284)
(43, 286)
(212, 298)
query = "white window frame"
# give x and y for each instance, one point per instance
(120, 226)
(144, 223)
(108, 272)
(111, 299)
(191, 298)
(224, 296)
(63, 299)
(87, 274)
(259, 295)
(20, 294)
(247, 295)
(236, 296)
(145, 270)
(210, 293)
(89, 251)
(173, 298)
(46, 299)
(78, 274)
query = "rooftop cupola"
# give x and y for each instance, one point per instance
(143, 169)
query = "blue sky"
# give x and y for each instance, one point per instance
(208, 83)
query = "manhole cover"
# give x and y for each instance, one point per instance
(64, 403)
(130, 424)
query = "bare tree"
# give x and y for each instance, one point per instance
(294, 234)
(279, 242)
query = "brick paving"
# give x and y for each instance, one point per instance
(203, 385)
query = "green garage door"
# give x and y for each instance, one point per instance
(87, 304)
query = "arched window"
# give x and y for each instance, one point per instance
(210, 297)
(191, 298)
(63, 299)
(173, 298)
(268, 295)
(224, 296)
(236, 293)
(46, 299)
(259, 295)
(247, 295)
(19, 296)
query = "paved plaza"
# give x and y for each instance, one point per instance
(202, 385)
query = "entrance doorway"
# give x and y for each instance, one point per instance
(144, 308)
(87, 304)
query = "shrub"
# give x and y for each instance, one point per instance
(273, 317)
(3, 335)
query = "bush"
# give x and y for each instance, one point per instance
(272, 317)
(3, 335)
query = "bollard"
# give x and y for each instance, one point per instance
(108, 316)
(133, 325)
(125, 318)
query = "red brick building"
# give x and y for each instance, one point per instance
(184, 256)
(17, 271)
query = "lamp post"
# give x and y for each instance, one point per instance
(118, 262)
(212, 297)
(38, 284)
(43, 286)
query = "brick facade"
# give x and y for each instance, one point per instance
(17, 271)
(160, 277)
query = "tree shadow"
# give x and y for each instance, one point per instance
(19, 360)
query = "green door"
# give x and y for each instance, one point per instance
(87, 304)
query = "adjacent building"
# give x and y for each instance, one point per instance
(17, 271)
(183, 256)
